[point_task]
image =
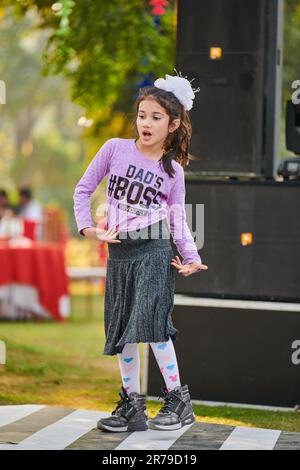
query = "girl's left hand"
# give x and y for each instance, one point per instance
(187, 269)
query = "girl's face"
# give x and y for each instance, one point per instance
(153, 123)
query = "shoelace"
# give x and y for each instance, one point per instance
(124, 402)
(167, 407)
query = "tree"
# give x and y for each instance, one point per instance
(39, 137)
(103, 47)
(291, 63)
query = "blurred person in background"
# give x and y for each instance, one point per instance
(32, 214)
(28, 207)
(4, 203)
(9, 224)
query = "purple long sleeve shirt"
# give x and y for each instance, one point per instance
(139, 193)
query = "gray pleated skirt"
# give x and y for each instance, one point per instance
(139, 290)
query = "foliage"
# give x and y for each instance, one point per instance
(291, 63)
(104, 47)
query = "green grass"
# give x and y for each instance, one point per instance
(62, 364)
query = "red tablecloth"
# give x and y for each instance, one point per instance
(41, 266)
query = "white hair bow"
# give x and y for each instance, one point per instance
(180, 87)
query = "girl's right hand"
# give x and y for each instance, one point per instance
(100, 234)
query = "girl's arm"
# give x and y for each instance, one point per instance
(177, 220)
(94, 174)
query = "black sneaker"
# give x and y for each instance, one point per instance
(129, 415)
(176, 412)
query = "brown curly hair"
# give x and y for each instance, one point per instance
(177, 143)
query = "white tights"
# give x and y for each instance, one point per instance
(164, 353)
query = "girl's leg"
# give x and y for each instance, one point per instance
(166, 359)
(129, 363)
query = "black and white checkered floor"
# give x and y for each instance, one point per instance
(44, 427)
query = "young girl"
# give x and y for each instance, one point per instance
(146, 197)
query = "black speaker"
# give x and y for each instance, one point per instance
(292, 127)
(235, 354)
(237, 112)
(251, 239)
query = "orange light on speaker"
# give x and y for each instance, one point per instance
(246, 239)
(215, 53)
